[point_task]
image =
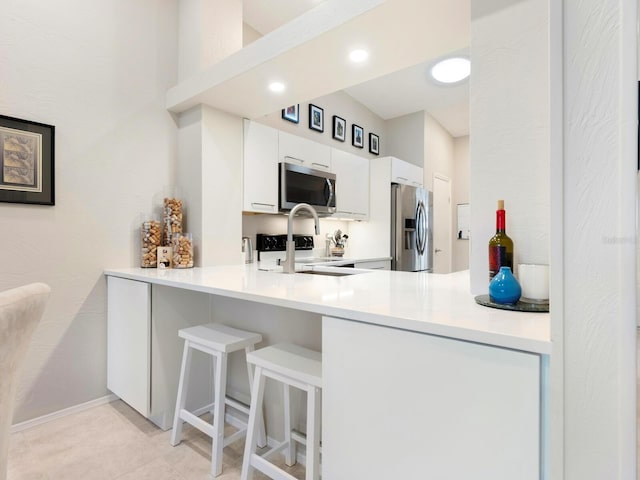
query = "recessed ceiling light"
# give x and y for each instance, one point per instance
(451, 70)
(276, 87)
(358, 56)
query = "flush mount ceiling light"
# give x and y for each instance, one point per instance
(276, 87)
(451, 70)
(358, 56)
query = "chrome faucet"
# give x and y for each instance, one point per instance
(289, 264)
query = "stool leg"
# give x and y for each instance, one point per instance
(290, 450)
(218, 415)
(262, 435)
(183, 385)
(253, 424)
(313, 434)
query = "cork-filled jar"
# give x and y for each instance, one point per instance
(172, 219)
(182, 248)
(150, 240)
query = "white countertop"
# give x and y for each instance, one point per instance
(422, 302)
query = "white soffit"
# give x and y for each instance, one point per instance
(265, 16)
(309, 54)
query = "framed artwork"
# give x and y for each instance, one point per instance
(357, 136)
(374, 144)
(26, 161)
(291, 113)
(339, 128)
(316, 118)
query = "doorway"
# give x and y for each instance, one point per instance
(441, 224)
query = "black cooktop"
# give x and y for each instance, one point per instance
(278, 243)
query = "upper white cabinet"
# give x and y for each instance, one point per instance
(305, 152)
(260, 168)
(406, 173)
(352, 185)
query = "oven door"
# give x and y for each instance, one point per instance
(300, 184)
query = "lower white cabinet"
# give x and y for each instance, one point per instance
(376, 265)
(129, 342)
(144, 351)
(422, 406)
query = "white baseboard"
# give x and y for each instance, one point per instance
(18, 427)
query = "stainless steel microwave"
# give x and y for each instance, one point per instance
(300, 184)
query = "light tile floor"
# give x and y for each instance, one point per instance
(113, 442)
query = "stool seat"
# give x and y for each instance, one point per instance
(291, 360)
(221, 338)
(218, 341)
(292, 366)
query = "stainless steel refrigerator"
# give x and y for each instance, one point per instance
(411, 228)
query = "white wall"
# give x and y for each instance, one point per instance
(406, 138)
(594, 205)
(98, 71)
(438, 151)
(509, 121)
(460, 194)
(342, 105)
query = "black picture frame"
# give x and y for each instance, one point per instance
(374, 144)
(27, 161)
(339, 128)
(292, 113)
(357, 136)
(316, 118)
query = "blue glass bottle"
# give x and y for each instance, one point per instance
(504, 288)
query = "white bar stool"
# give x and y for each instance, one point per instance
(218, 341)
(294, 366)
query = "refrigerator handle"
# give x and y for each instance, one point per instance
(421, 231)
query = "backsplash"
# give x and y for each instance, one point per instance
(277, 224)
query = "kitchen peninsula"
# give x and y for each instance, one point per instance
(416, 374)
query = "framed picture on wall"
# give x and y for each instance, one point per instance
(26, 161)
(339, 128)
(357, 136)
(291, 113)
(374, 144)
(316, 118)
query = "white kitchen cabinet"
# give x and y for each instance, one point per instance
(302, 151)
(260, 168)
(376, 265)
(129, 342)
(352, 185)
(406, 173)
(424, 406)
(142, 342)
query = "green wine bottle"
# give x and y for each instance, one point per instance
(500, 245)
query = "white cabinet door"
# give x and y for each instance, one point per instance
(305, 152)
(379, 265)
(260, 168)
(400, 404)
(352, 185)
(406, 173)
(128, 341)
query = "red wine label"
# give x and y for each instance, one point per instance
(498, 257)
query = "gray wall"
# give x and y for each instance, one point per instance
(342, 105)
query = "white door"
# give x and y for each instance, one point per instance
(441, 224)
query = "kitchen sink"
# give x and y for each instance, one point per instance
(333, 272)
(317, 259)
